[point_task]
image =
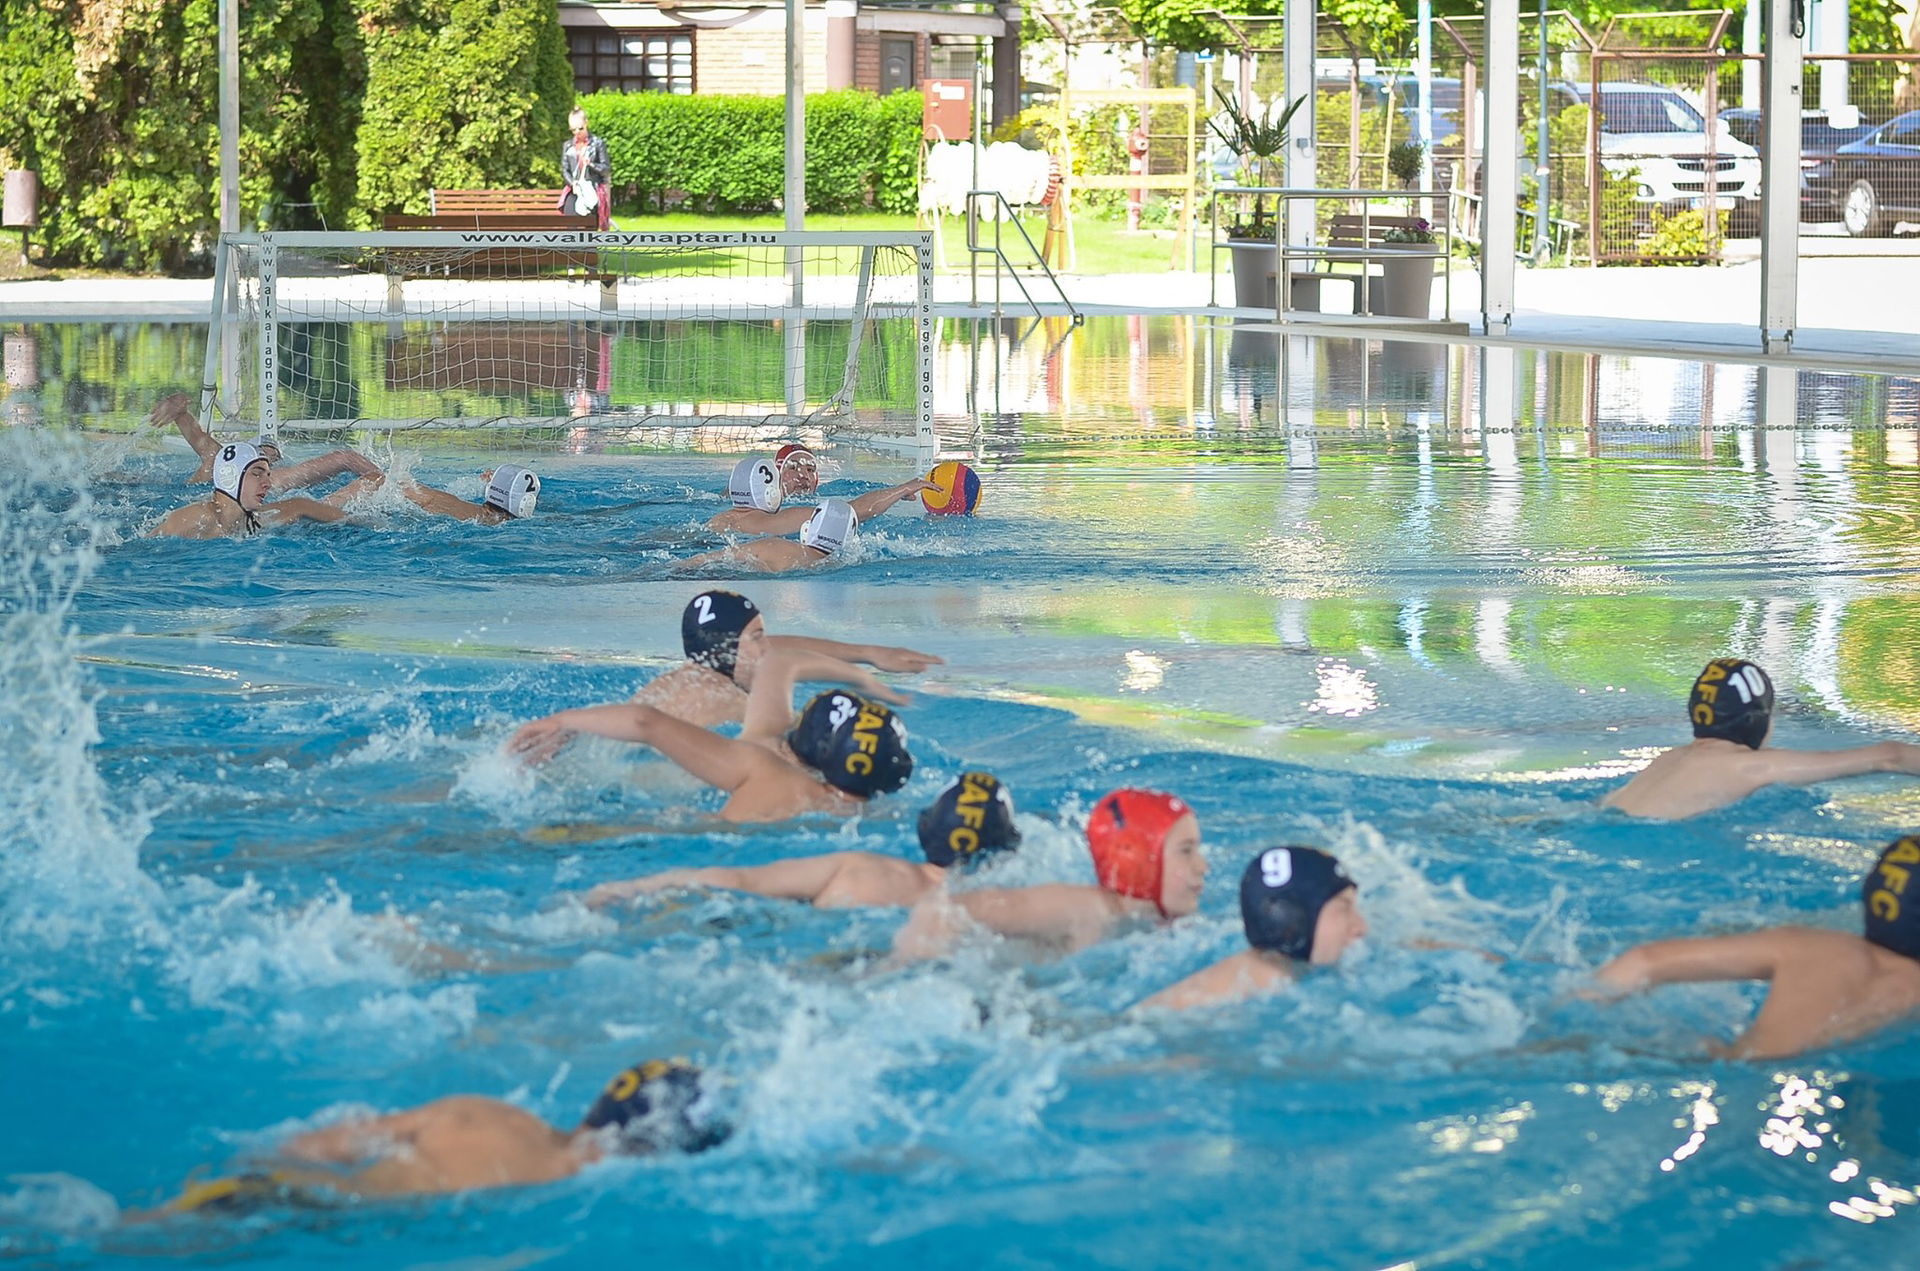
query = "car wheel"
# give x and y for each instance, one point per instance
(1860, 211)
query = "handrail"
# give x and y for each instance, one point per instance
(975, 250)
(1287, 251)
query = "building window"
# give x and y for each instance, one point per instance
(896, 65)
(630, 61)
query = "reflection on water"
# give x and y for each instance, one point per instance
(1391, 530)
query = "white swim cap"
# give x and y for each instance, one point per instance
(755, 485)
(230, 463)
(513, 490)
(264, 443)
(832, 527)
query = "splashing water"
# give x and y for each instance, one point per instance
(72, 863)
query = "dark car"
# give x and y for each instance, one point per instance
(1819, 139)
(1873, 183)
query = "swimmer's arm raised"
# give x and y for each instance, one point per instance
(1752, 956)
(886, 657)
(354, 489)
(722, 762)
(874, 502)
(176, 409)
(332, 464)
(1804, 767)
(770, 704)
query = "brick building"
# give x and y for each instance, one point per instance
(684, 48)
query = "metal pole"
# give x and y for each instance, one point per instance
(1500, 208)
(795, 200)
(1779, 172)
(1543, 167)
(1300, 33)
(794, 203)
(1424, 70)
(229, 116)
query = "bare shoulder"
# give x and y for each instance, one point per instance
(697, 694)
(467, 1112)
(196, 520)
(867, 878)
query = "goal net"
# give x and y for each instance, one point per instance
(686, 339)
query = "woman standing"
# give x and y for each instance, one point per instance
(587, 171)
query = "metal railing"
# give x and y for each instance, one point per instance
(1366, 255)
(976, 249)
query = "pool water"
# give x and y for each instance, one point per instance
(1418, 605)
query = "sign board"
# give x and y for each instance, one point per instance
(947, 114)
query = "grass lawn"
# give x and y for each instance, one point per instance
(1102, 246)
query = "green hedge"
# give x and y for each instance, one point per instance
(727, 154)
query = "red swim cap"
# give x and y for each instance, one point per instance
(1127, 834)
(787, 452)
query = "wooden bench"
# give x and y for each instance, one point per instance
(504, 262)
(1352, 232)
(496, 203)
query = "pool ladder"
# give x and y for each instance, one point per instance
(1002, 263)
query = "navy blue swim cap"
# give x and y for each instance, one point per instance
(658, 1106)
(1733, 701)
(1281, 895)
(859, 746)
(711, 626)
(1893, 917)
(970, 821)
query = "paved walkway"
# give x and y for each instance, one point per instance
(1857, 313)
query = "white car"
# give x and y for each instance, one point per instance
(1654, 132)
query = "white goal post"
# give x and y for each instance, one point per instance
(686, 339)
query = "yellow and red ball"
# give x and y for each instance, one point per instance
(956, 490)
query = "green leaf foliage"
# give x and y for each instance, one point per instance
(355, 107)
(460, 94)
(728, 154)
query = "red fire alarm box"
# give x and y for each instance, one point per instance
(947, 114)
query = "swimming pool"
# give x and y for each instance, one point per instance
(1413, 603)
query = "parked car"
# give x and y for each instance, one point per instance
(1658, 135)
(1820, 137)
(1874, 183)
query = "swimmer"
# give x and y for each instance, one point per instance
(1299, 909)
(468, 1142)
(1827, 986)
(841, 751)
(511, 494)
(724, 638)
(241, 475)
(176, 409)
(1731, 707)
(969, 823)
(1146, 854)
(757, 493)
(830, 529)
(799, 471)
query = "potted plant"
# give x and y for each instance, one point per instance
(1258, 139)
(1406, 270)
(1403, 162)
